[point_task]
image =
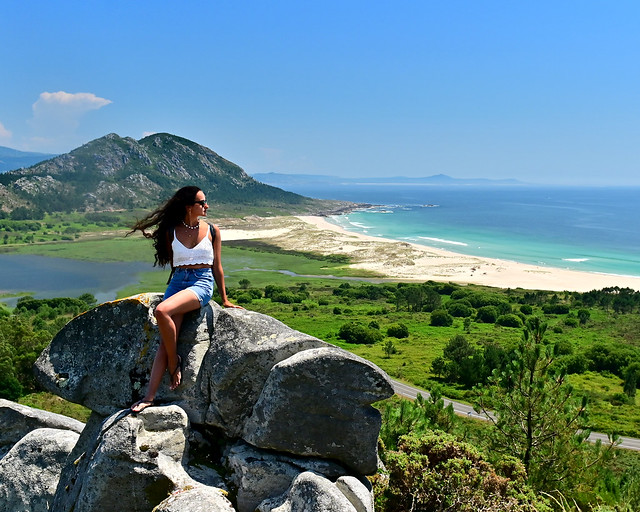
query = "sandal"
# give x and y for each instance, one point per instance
(141, 405)
(174, 373)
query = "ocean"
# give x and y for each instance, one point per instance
(578, 228)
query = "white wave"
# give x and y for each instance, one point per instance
(575, 260)
(361, 225)
(442, 240)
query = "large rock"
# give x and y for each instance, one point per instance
(137, 461)
(102, 359)
(30, 472)
(245, 347)
(196, 499)
(317, 403)
(17, 420)
(310, 492)
(258, 475)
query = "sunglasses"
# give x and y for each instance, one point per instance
(202, 202)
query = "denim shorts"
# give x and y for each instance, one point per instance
(198, 280)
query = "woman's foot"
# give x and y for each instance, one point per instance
(141, 405)
(176, 375)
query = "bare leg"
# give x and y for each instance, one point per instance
(169, 314)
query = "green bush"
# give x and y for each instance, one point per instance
(526, 309)
(487, 315)
(509, 320)
(571, 322)
(441, 318)
(435, 472)
(577, 363)
(398, 330)
(244, 298)
(555, 309)
(356, 332)
(459, 309)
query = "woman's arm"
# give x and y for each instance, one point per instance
(218, 273)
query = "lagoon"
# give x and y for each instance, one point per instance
(44, 277)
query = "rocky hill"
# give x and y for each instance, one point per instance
(114, 173)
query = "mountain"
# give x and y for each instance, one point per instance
(14, 159)
(287, 180)
(113, 172)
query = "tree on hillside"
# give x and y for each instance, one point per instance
(631, 379)
(536, 416)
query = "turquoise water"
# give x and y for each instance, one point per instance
(587, 229)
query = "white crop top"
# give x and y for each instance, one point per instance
(201, 254)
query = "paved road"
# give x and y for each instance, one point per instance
(630, 443)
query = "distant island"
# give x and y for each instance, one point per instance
(283, 180)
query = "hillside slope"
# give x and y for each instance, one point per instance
(113, 173)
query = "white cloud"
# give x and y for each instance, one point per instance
(56, 118)
(147, 134)
(72, 104)
(5, 135)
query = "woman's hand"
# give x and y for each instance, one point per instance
(228, 304)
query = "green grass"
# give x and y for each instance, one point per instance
(53, 403)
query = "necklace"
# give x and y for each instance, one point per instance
(191, 227)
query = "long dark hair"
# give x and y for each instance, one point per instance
(166, 218)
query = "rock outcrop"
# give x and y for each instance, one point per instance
(16, 421)
(286, 415)
(30, 472)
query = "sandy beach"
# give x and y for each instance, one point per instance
(412, 262)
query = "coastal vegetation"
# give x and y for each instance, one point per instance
(463, 342)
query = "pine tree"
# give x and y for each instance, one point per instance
(536, 416)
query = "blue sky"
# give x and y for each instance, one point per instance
(545, 92)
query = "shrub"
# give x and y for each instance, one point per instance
(459, 309)
(440, 318)
(433, 471)
(271, 289)
(618, 399)
(389, 348)
(577, 363)
(583, 316)
(555, 309)
(487, 315)
(244, 298)
(526, 309)
(356, 332)
(563, 348)
(398, 331)
(255, 293)
(509, 320)
(571, 322)
(285, 297)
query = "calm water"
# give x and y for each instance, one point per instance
(589, 229)
(58, 277)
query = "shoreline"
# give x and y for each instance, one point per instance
(406, 261)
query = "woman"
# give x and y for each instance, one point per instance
(192, 248)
